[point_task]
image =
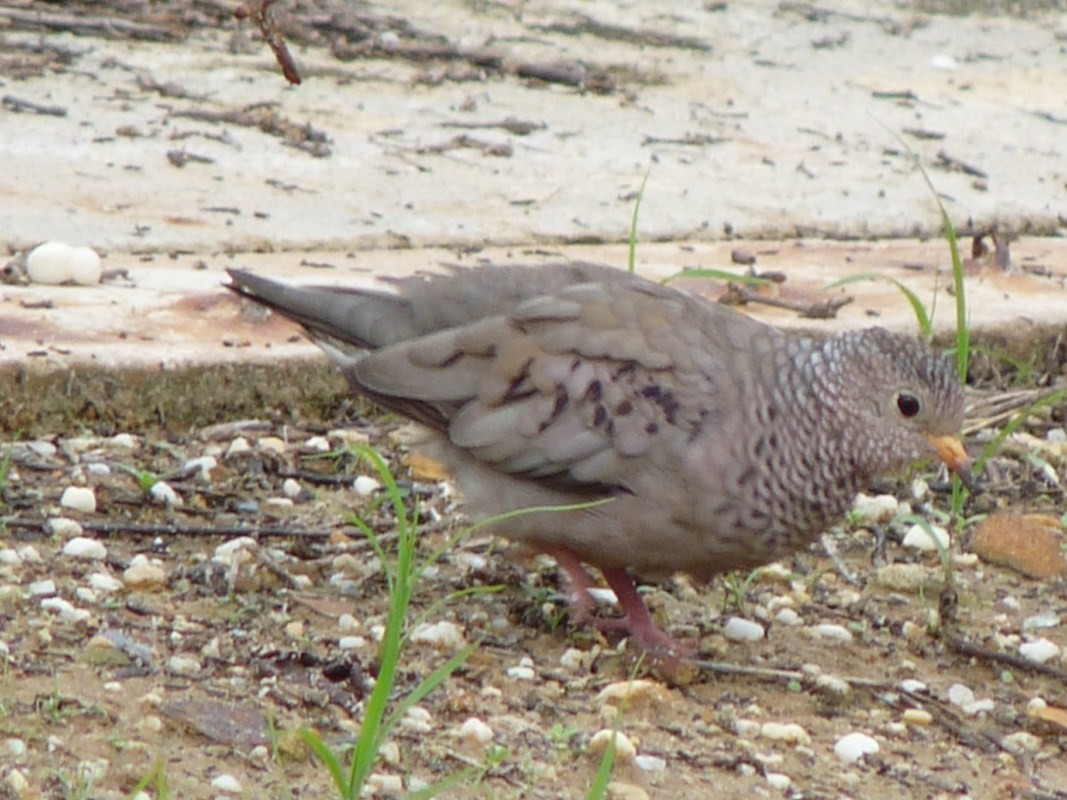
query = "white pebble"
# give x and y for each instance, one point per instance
(747, 728)
(1039, 651)
(912, 685)
(271, 444)
(186, 666)
(163, 494)
(17, 782)
(876, 508)
(960, 695)
(79, 498)
(381, 783)
(43, 588)
(575, 659)
(227, 783)
(351, 642)
(346, 623)
(65, 610)
(317, 444)
(64, 527)
(649, 763)
(29, 554)
(417, 720)
(291, 488)
(238, 446)
(10, 558)
(98, 468)
(1046, 619)
(832, 632)
(277, 503)
(918, 538)
(788, 616)
(201, 466)
(778, 781)
(625, 751)
(443, 635)
(474, 730)
(85, 549)
(15, 748)
(365, 485)
(1021, 742)
(854, 746)
(785, 732)
(944, 61)
(102, 583)
(742, 630)
(521, 673)
(124, 440)
(54, 263)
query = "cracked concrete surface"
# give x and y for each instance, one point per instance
(762, 121)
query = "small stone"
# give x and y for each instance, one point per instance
(788, 732)
(185, 666)
(271, 444)
(1039, 651)
(876, 508)
(854, 746)
(832, 632)
(930, 538)
(65, 610)
(238, 447)
(918, 717)
(789, 617)
(476, 731)
(16, 782)
(417, 720)
(365, 485)
(909, 578)
(620, 790)
(577, 660)
(635, 693)
(648, 763)
(55, 263)
(913, 686)
(163, 494)
(521, 673)
(227, 783)
(291, 488)
(15, 749)
(278, 503)
(385, 784)
(960, 695)
(1026, 543)
(317, 444)
(202, 466)
(742, 630)
(79, 498)
(85, 549)
(351, 642)
(44, 588)
(1048, 719)
(1046, 619)
(123, 441)
(64, 527)
(1021, 742)
(625, 751)
(443, 635)
(390, 753)
(747, 728)
(778, 781)
(144, 575)
(10, 558)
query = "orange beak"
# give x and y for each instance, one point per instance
(950, 450)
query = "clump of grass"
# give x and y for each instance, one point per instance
(402, 575)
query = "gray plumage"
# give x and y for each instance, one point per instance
(723, 442)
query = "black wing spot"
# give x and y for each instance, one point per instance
(515, 390)
(600, 416)
(593, 392)
(652, 428)
(624, 408)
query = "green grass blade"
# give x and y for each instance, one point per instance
(922, 317)
(716, 275)
(599, 788)
(631, 264)
(328, 758)
(443, 785)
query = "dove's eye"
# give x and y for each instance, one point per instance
(908, 404)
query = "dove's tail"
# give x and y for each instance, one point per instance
(349, 320)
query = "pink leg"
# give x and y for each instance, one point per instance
(637, 622)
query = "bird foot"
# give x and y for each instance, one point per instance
(644, 635)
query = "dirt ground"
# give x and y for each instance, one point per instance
(197, 636)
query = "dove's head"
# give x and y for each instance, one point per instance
(908, 398)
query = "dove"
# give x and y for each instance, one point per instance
(716, 442)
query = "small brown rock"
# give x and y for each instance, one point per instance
(1026, 543)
